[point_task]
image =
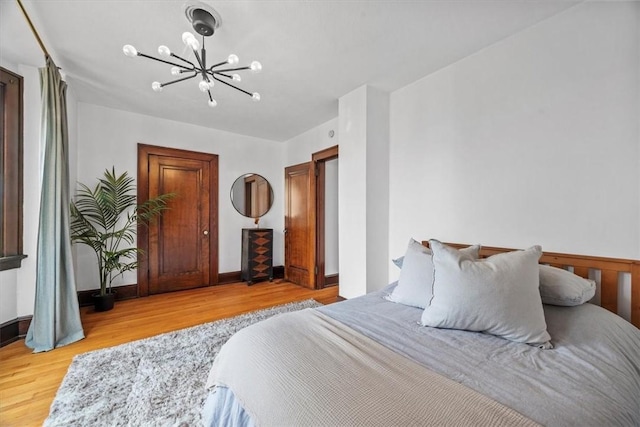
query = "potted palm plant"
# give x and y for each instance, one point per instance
(105, 218)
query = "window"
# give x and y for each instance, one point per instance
(10, 170)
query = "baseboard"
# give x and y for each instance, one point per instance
(131, 291)
(122, 293)
(278, 272)
(13, 330)
(230, 277)
(331, 279)
(236, 276)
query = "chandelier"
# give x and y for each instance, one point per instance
(205, 21)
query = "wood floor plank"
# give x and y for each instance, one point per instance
(28, 381)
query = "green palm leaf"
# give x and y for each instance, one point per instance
(106, 217)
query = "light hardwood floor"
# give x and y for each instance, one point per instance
(28, 382)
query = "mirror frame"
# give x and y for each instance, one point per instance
(246, 182)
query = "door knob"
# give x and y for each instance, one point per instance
(205, 232)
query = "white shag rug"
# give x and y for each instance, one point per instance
(157, 381)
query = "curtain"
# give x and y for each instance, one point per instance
(56, 317)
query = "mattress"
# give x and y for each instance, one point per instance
(590, 378)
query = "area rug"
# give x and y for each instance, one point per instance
(157, 381)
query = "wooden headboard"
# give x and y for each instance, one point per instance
(611, 271)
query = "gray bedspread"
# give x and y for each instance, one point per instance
(590, 378)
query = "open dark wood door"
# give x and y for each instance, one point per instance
(181, 246)
(299, 222)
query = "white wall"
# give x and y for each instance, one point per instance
(534, 140)
(238, 194)
(364, 190)
(353, 193)
(109, 137)
(8, 295)
(300, 148)
(377, 157)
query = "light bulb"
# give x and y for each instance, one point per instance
(255, 96)
(210, 84)
(203, 85)
(212, 103)
(156, 86)
(190, 40)
(186, 36)
(164, 51)
(256, 67)
(236, 78)
(233, 59)
(129, 50)
(175, 71)
(194, 44)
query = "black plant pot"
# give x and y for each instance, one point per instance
(104, 302)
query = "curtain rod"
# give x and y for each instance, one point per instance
(33, 29)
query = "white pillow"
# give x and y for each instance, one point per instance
(562, 287)
(416, 275)
(497, 295)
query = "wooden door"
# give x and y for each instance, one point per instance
(181, 250)
(299, 226)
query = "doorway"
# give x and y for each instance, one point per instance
(308, 229)
(326, 194)
(257, 196)
(181, 247)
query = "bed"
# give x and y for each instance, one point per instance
(372, 361)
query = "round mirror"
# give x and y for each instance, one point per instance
(252, 195)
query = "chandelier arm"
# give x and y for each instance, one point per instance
(162, 60)
(218, 64)
(193, 66)
(230, 85)
(229, 69)
(195, 73)
(225, 75)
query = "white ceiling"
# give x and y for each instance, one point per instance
(312, 52)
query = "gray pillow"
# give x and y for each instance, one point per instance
(416, 275)
(497, 295)
(562, 287)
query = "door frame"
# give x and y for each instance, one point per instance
(318, 200)
(144, 151)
